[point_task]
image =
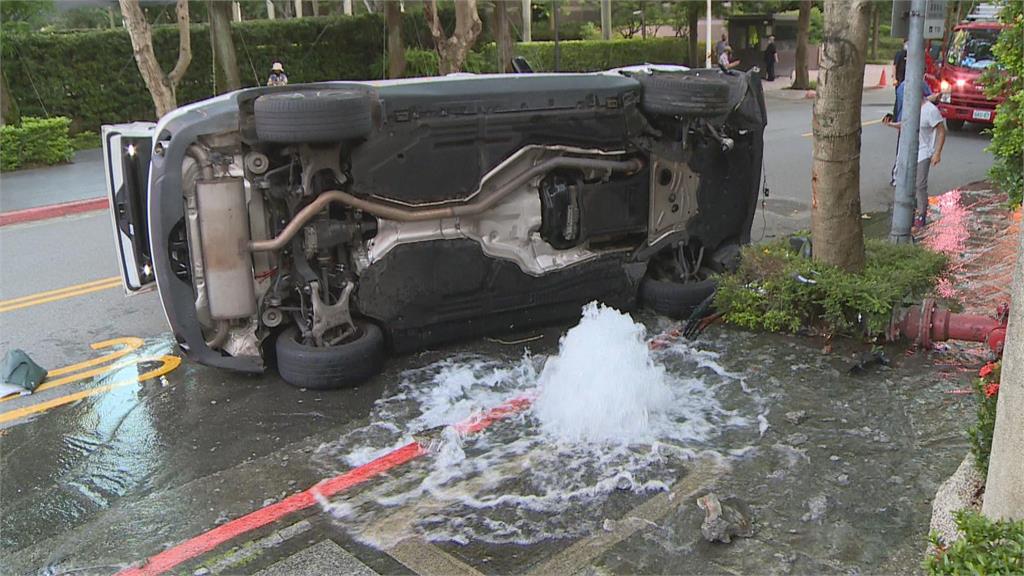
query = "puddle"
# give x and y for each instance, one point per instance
(611, 418)
(838, 470)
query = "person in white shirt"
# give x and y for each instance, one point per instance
(723, 59)
(931, 139)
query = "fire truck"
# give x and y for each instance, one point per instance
(966, 53)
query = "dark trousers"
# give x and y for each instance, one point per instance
(769, 70)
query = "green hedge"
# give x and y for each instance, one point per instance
(37, 141)
(576, 56)
(91, 76)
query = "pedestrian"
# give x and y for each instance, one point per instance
(720, 45)
(931, 139)
(899, 63)
(771, 58)
(897, 116)
(277, 75)
(723, 58)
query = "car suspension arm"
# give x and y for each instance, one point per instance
(477, 205)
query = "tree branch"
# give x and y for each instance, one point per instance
(184, 45)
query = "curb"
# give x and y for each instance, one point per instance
(52, 211)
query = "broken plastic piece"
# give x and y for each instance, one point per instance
(19, 374)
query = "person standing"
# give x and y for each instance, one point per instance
(720, 46)
(277, 75)
(931, 139)
(771, 58)
(899, 63)
(723, 59)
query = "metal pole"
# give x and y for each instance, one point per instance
(527, 21)
(707, 37)
(558, 48)
(910, 122)
(606, 19)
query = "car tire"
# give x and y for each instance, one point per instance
(674, 299)
(684, 94)
(316, 117)
(341, 366)
(955, 124)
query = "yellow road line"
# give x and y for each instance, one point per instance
(129, 342)
(42, 298)
(167, 364)
(862, 124)
(58, 291)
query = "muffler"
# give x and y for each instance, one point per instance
(224, 235)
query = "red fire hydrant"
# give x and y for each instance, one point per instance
(929, 322)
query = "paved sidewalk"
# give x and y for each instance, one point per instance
(80, 180)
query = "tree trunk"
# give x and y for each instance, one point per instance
(835, 174)
(1004, 487)
(226, 69)
(396, 48)
(693, 25)
(503, 33)
(8, 107)
(803, 29)
(877, 14)
(161, 86)
(452, 51)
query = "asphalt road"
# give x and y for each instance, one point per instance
(99, 479)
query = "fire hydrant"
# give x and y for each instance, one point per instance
(928, 322)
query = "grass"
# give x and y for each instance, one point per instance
(777, 290)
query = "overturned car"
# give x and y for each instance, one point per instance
(341, 221)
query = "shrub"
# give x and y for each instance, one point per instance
(986, 392)
(86, 140)
(1008, 80)
(37, 141)
(986, 547)
(595, 55)
(778, 290)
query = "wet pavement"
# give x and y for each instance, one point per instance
(132, 455)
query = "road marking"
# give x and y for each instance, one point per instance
(167, 364)
(862, 124)
(59, 294)
(203, 543)
(580, 555)
(130, 344)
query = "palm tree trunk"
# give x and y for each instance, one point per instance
(803, 29)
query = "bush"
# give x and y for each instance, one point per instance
(986, 547)
(37, 141)
(86, 140)
(778, 290)
(1008, 80)
(986, 392)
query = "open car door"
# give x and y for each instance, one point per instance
(126, 150)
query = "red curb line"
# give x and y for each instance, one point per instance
(193, 547)
(52, 211)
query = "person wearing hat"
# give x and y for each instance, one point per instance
(723, 58)
(277, 75)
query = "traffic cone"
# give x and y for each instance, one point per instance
(882, 79)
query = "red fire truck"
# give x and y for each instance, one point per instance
(966, 53)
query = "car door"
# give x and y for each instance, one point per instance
(127, 149)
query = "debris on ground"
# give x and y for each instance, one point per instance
(19, 374)
(796, 417)
(722, 522)
(869, 360)
(816, 506)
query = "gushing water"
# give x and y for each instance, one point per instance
(610, 416)
(603, 385)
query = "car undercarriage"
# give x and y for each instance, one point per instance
(341, 221)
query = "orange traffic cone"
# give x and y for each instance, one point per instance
(882, 79)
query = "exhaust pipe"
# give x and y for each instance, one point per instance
(479, 204)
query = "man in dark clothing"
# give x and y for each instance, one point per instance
(899, 62)
(771, 57)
